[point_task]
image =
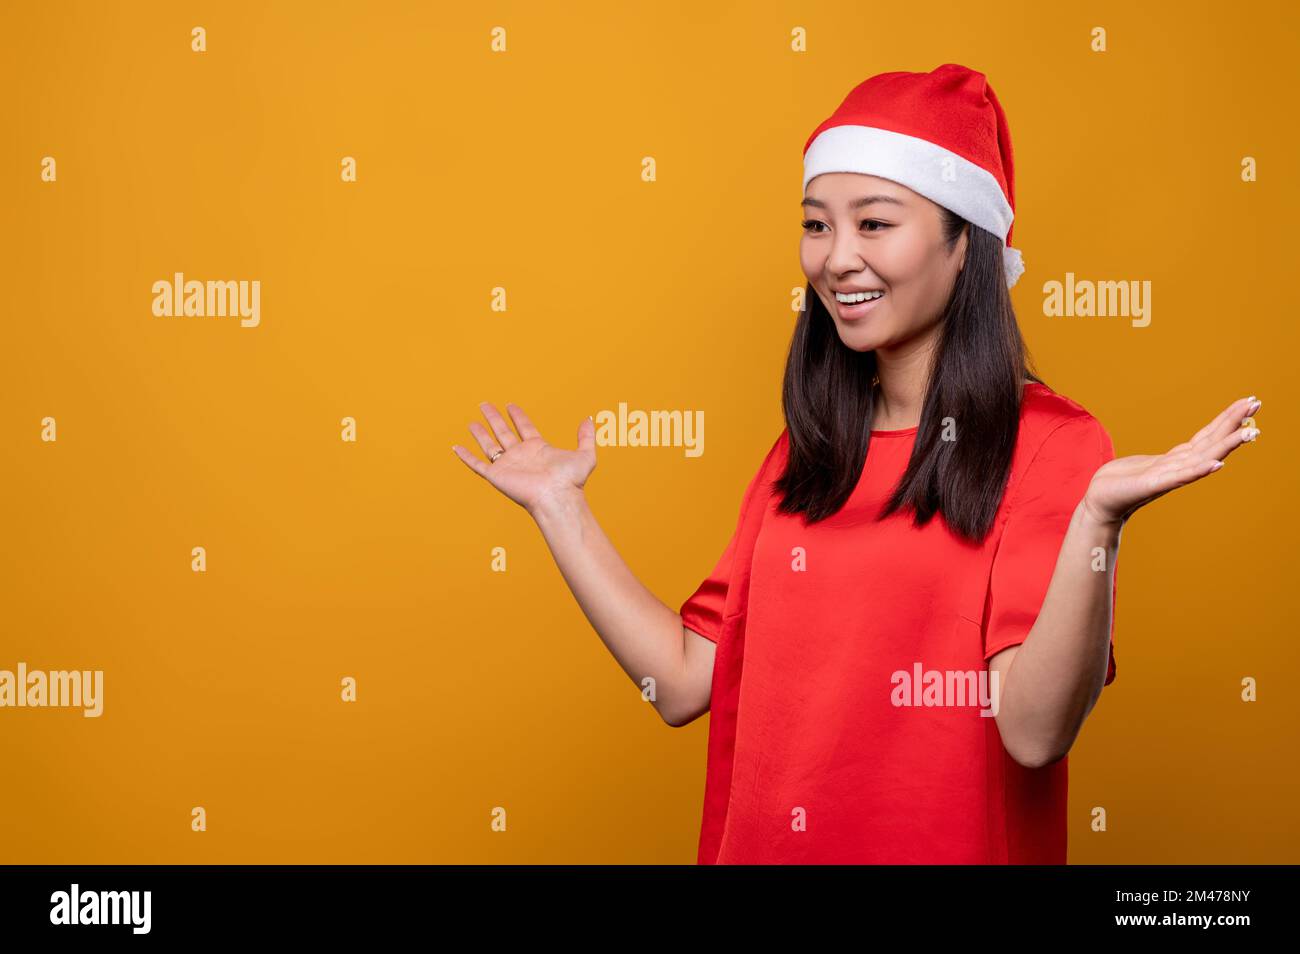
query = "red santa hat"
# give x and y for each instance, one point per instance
(942, 134)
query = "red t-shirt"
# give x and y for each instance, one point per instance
(811, 760)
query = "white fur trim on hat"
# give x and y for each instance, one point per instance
(1013, 264)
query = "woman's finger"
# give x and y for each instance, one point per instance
(505, 436)
(1242, 435)
(1222, 420)
(1230, 418)
(527, 430)
(486, 442)
(472, 462)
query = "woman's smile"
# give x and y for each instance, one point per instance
(851, 306)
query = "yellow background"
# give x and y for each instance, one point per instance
(522, 169)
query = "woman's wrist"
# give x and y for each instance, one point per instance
(554, 506)
(1088, 516)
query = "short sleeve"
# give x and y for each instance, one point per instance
(1038, 517)
(702, 611)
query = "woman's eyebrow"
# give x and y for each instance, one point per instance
(856, 203)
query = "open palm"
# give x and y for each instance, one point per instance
(1122, 485)
(530, 470)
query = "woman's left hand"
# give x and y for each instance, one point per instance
(1122, 485)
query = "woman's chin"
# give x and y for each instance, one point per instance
(856, 338)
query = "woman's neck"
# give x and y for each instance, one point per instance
(897, 402)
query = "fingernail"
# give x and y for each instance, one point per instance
(1217, 465)
(1254, 406)
(1250, 434)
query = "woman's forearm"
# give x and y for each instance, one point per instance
(1058, 671)
(644, 635)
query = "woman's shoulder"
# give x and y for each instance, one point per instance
(1058, 433)
(774, 460)
(1044, 411)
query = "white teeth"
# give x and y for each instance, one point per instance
(850, 298)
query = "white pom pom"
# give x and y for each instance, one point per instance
(1013, 264)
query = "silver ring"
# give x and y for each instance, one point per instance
(493, 458)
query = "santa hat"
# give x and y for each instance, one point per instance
(942, 134)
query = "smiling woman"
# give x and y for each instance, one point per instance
(931, 506)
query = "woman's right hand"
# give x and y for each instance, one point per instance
(531, 471)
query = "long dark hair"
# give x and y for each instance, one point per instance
(977, 381)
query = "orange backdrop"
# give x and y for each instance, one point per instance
(522, 169)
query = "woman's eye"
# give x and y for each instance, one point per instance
(810, 225)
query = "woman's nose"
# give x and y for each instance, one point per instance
(844, 255)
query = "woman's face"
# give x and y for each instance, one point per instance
(864, 233)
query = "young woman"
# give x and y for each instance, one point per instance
(915, 613)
